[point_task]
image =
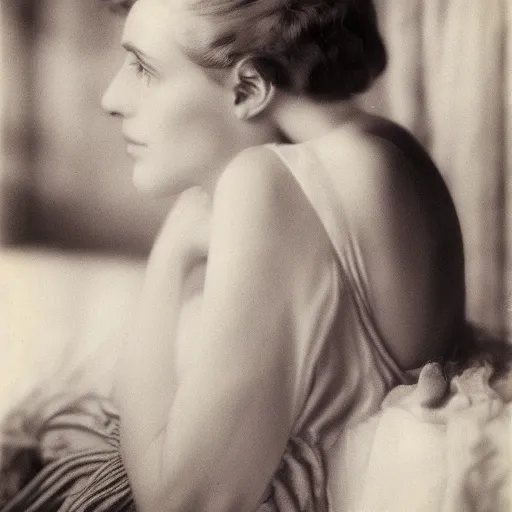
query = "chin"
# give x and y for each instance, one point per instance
(157, 184)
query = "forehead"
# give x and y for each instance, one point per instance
(152, 26)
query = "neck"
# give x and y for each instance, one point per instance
(301, 119)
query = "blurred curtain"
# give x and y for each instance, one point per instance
(450, 81)
(16, 146)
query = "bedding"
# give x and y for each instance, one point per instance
(58, 312)
(63, 317)
(441, 445)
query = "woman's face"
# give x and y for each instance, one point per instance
(179, 124)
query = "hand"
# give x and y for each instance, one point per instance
(185, 235)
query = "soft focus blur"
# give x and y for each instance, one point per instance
(449, 80)
(65, 183)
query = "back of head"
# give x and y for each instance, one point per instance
(327, 49)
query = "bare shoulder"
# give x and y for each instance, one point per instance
(383, 168)
(259, 188)
(253, 178)
(259, 201)
(375, 157)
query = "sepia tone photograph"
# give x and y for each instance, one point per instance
(255, 255)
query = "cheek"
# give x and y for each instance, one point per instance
(194, 119)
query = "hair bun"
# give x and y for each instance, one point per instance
(323, 48)
(350, 51)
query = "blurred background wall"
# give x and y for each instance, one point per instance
(65, 182)
(450, 81)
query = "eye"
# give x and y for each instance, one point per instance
(140, 70)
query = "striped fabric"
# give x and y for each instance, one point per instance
(82, 466)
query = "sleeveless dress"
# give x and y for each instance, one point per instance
(349, 371)
(346, 374)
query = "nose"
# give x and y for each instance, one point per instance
(116, 98)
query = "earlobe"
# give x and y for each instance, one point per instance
(252, 91)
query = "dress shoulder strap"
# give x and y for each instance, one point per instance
(321, 188)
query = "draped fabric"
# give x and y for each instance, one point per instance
(75, 462)
(449, 80)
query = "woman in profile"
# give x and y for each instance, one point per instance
(311, 262)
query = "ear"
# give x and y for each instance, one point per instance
(253, 92)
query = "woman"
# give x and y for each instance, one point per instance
(311, 261)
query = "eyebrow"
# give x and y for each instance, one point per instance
(129, 47)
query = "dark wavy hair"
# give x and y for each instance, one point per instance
(327, 49)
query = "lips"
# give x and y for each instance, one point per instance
(131, 141)
(133, 146)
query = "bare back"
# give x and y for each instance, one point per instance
(405, 221)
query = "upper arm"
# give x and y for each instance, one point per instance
(268, 253)
(266, 258)
(235, 407)
(247, 317)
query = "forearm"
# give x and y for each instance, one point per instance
(149, 371)
(146, 376)
(217, 453)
